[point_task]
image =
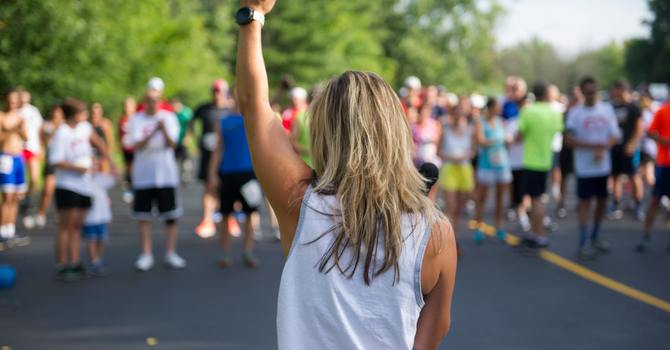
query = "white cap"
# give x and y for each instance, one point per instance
(478, 101)
(413, 82)
(299, 93)
(452, 98)
(156, 83)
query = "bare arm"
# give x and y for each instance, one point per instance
(215, 160)
(661, 140)
(635, 138)
(438, 275)
(279, 169)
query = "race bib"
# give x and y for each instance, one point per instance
(497, 157)
(209, 141)
(252, 193)
(6, 164)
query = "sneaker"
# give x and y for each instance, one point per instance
(587, 253)
(205, 230)
(615, 213)
(20, 239)
(226, 260)
(71, 273)
(561, 212)
(549, 224)
(479, 236)
(144, 262)
(510, 215)
(174, 261)
(601, 246)
(98, 269)
(528, 242)
(249, 259)
(642, 246)
(469, 208)
(639, 214)
(542, 242)
(28, 222)
(500, 233)
(40, 221)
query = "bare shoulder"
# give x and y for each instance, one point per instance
(439, 260)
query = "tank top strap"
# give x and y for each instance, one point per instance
(425, 232)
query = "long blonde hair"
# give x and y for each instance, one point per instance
(362, 153)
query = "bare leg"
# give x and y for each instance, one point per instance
(651, 215)
(63, 236)
(47, 195)
(74, 233)
(100, 250)
(501, 190)
(209, 203)
(92, 248)
(482, 191)
(145, 236)
(170, 237)
(248, 234)
(452, 210)
(537, 216)
(224, 238)
(617, 188)
(638, 188)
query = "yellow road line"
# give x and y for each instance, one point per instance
(584, 272)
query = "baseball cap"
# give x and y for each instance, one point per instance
(219, 85)
(156, 83)
(299, 93)
(413, 82)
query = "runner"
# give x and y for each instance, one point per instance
(98, 218)
(232, 174)
(103, 128)
(351, 216)
(56, 118)
(185, 116)
(592, 130)
(152, 134)
(298, 98)
(648, 150)
(71, 154)
(456, 176)
(32, 153)
(659, 131)
(129, 108)
(538, 123)
(493, 167)
(13, 135)
(208, 115)
(630, 121)
(556, 145)
(300, 124)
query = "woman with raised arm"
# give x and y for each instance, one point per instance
(356, 229)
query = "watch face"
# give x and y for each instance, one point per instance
(244, 15)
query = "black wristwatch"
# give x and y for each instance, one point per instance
(246, 14)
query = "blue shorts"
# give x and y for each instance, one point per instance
(662, 186)
(12, 174)
(495, 176)
(94, 232)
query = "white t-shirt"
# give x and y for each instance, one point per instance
(101, 209)
(154, 165)
(594, 125)
(33, 121)
(557, 142)
(72, 145)
(516, 148)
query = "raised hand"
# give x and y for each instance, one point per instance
(263, 6)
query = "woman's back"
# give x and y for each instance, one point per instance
(331, 310)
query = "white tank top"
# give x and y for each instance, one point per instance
(331, 311)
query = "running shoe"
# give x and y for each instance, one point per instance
(510, 215)
(29, 222)
(524, 222)
(205, 230)
(601, 246)
(98, 269)
(587, 253)
(542, 242)
(127, 197)
(74, 273)
(144, 262)
(249, 260)
(40, 221)
(500, 233)
(479, 236)
(174, 261)
(614, 213)
(561, 212)
(226, 260)
(639, 213)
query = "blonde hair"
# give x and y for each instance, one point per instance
(362, 153)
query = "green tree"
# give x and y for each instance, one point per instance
(646, 60)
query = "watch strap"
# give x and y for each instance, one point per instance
(257, 16)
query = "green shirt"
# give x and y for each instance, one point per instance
(538, 124)
(184, 116)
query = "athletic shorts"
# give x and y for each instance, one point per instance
(156, 202)
(517, 187)
(230, 191)
(662, 186)
(94, 232)
(534, 183)
(128, 157)
(12, 174)
(566, 160)
(66, 199)
(592, 187)
(492, 177)
(646, 158)
(203, 166)
(622, 164)
(457, 177)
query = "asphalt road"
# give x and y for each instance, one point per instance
(503, 300)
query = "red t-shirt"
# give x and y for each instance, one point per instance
(287, 119)
(164, 105)
(661, 125)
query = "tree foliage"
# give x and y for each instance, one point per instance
(647, 59)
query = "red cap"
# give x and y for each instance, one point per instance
(219, 85)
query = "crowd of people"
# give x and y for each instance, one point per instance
(513, 147)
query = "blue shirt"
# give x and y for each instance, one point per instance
(510, 110)
(236, 157)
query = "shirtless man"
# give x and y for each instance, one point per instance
(12, 178)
